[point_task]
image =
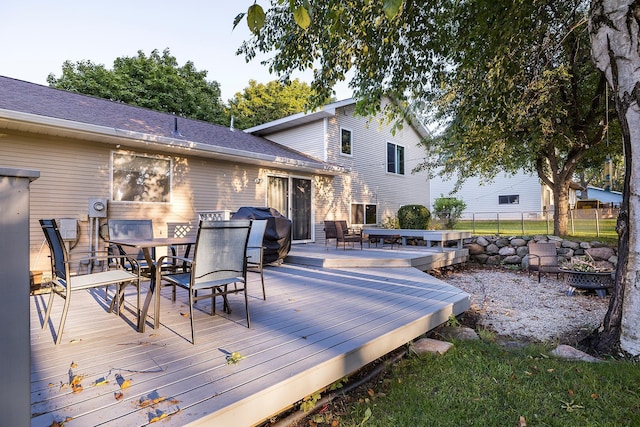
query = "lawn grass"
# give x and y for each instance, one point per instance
(481, 383)
(580, 229)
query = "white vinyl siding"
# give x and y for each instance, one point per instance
(485, 199)
(308, 139)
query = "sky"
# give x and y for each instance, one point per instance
(38, 36)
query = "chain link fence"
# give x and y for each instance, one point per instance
(599, 222)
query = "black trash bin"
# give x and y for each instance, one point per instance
(277, 237)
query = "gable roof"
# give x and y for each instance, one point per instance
(328, 110)
(30, 107)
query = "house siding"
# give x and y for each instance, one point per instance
(482, 199)
(73, 171)
(367, 180)
(307, 139)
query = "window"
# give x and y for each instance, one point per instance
(364, 214)
(513, 199)
(345, 141)
(395, 158)
(138, 178)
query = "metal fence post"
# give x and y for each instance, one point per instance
(573, 230)
(498, 220)
(522, 219)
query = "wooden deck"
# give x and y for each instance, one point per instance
(317, 325)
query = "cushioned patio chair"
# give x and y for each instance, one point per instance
(63, 283)
(344, 235)
(330, 232)
(543, 258)
(219, 260)
(255, 249)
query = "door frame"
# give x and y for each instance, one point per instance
(288, 214)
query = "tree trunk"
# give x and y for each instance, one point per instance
(614, 31)
(560, 208)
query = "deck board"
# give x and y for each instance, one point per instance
(317, 325)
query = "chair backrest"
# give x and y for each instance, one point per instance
(131, 229)
(341, 229)
(330, 230)
(343, 225)
(220, 250)
(544, 254)
(256, 236)
(56, 247)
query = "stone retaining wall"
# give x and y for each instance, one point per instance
(499, 250)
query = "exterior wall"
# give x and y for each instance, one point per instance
(307, 139)
(483, 199)
(368, 181)
(74, 171)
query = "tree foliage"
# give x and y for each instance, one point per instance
(512, 80)
(261, 103)
(156, 82)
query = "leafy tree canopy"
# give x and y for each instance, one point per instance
(261, 103)
(156, 82)
(513, 80)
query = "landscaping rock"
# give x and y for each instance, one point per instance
(492, 249)
(494, 260)
(585, 245)
(501, 243)
(570, 244)
(601, 253)
(567, 352)
(459, 333)
(522, 251)
(482, 241)
(481, 258)
(474, 248)
(512, 260)
(518, 242)
(506, 251)
(428, 345)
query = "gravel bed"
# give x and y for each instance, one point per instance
(513, 304)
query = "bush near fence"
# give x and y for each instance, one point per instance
(582, 222)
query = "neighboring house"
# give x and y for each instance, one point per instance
(148, 164)
(511, 196)
(379, 162)
(604, 196)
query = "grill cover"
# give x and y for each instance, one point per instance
(277, 237)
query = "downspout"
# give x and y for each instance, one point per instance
(325, 137)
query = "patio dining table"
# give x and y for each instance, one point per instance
(146, 245)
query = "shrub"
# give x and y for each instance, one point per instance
(448, 210)
(414, 217)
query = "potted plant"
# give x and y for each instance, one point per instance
(582, 272)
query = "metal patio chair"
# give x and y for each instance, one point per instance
(219, 260)
(543, 258)
(255, 249)
(136, 229)
(63, 283)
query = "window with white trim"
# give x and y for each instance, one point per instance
(346, 139)
(512, 199)
(139, 178)
(395, 158)
(364, 214)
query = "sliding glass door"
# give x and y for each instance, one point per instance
(292, 198)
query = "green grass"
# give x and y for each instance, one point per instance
(582, 228)
(480, 383)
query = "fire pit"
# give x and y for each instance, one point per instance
(598, 281)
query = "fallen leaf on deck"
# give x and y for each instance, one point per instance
(234, 358)
(184, 314)
(73, 365)
(118, 395)
(101, 381)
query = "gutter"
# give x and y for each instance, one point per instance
(33, 123)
